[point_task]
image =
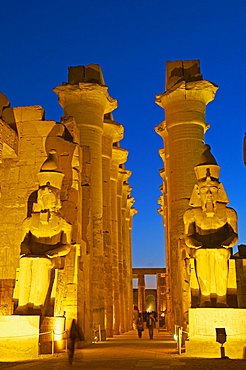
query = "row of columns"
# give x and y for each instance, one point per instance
(85, 97)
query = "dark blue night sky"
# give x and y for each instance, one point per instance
(132, 40)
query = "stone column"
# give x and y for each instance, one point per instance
(112, 132)
(121, 243)
(141, 293)
(130, 212)
(88, 102)
(125, 249)
(120, 251)
(161, 293)
(163, 201)
(119, 156)
(123, 186)
(183, 130)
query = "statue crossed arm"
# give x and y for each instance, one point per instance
(223, 232)
(58, 243)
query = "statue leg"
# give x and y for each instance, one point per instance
(202, 257)
(25, 280)
(40, 281)
(221, 275)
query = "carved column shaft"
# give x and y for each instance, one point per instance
(122, 204)
(121, 241)
(115, 267)
(87, 103)
(112, 132)
(163, 201)
(106, 162)
(125, 250)
(161, 293)
(130, 212)
(119, 155)
(141, 293)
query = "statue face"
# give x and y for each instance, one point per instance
(47, 198)
(208, 192)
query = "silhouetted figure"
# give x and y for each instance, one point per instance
(140, 326)
(151, 325)
(74, 334)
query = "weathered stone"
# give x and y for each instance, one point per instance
(202, 332)
(23, 114)
(182, 70)
(4, 103)
(8, 141)
(23, 338)
(90, 73)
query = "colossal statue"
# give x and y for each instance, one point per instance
(46, 236)
(210, 230)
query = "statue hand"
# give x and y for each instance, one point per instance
(229, 242)
(224, 244)
(192, 242)
(52, 253)
(60, 251)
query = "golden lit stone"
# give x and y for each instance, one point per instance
(19, 338)
(210, 229)
(202, 332)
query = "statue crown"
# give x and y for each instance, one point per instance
(49, 173)
(207, 165)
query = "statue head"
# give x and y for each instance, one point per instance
(48, 199)
(50, 180)
(208, 190)
(49, 173)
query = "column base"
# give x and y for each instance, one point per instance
(52, 329)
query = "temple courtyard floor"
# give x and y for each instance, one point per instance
(128, 352)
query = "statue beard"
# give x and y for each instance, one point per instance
(44, 216)
(209, 208)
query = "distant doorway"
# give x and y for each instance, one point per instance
(150, 303)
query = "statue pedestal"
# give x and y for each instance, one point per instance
(19, 337)
(202, 333)
(52, 333)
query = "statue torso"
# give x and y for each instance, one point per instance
(211, 230)
(44, 236)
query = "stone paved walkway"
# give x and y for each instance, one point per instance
(128, 352)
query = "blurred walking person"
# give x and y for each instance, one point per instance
(151, 325)
(74, 334)
(140, 325)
